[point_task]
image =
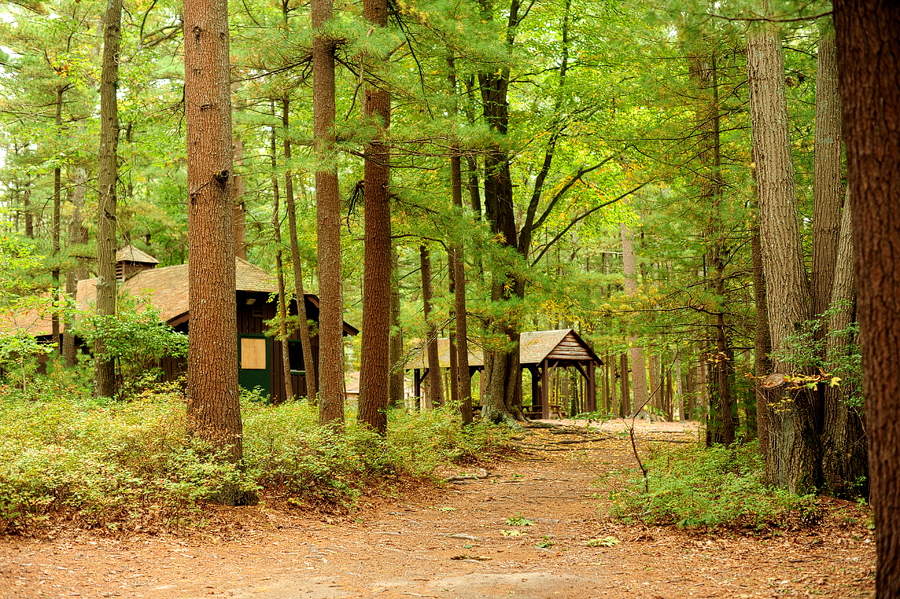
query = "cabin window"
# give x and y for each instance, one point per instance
(295, 356)
(253, 354)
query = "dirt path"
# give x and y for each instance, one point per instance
(454, 542)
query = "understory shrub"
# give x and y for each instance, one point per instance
(131, 464)
(698, 487)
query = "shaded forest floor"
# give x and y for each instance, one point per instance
(521, 529)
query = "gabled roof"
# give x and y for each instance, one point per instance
(129, 253)
(564, 345)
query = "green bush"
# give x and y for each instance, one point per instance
(128, 464)
(697, 487)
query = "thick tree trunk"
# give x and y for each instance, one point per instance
(375, 363)
(435, 395)
(213, 402)
(328, 225)
(868, 38)
(240, 216)
(793, 452)
(104, 370)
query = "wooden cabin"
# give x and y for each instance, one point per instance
(540, 353)
(259, 356)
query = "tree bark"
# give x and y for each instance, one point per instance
(78, 237)
(762, 365)
(435, 396)
(792, 455)
(397, 390)
(375, 362)
(638, 364)
(868, 50)
(279, 273)
(299, 292)
(328, 224)
(104, 370)
(213, 402)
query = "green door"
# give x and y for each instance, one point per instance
(254, 363)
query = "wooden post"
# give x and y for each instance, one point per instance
(545, 390)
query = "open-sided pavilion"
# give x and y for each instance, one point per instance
(540, 352)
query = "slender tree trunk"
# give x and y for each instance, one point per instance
(397, 391)
(762, 365)
(54, 237)
(213, 403)
(240, 216)
(375, 363)
(624, 405)
(299, 293)
(793, 452)
(868, 38)
(104, 370)
(435, 394)
(279, 273)
(638, 364)
(78, 236)
(452, 380)
(328, 225)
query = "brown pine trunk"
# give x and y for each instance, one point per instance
(793, 452)
(279, 273)
(328, 225)
(240, 217)
(458, 265)
(375, 362)
(104, 370)
(868, 38)
(435, 395)
(213, 403)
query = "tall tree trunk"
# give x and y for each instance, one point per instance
(844, 460)
(435, 395)
(827, 189)
(240, 215)
(624, 405)
(638, 364)
(104, 370)
(328, 224)
(868, 50)
(762, 365)
(213, 402)
(793, 452)
(458, 267)
(299, 293)
(375, 362)
(78, 237)
(397, 390)
(55, 226)
(279, 273)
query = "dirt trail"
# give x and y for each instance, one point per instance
(456, 542)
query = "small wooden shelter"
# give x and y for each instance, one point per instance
(540, 352)
(130, 260)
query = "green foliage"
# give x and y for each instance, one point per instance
(135, 339)
(130, 465)
(696, 487)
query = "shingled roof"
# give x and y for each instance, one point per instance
(564, 345)
(167, 288)
(129, 253)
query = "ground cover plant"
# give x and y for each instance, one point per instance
(130, 465)
(708, 488)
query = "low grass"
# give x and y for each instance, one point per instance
(696, 487)
(131, 465)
